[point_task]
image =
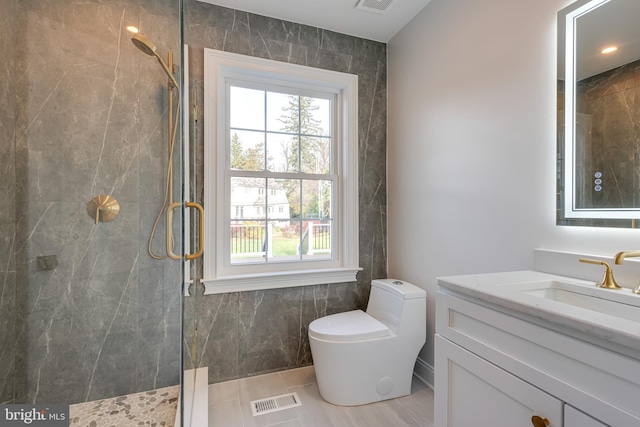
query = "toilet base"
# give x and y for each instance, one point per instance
(384, 389)
(349, 378)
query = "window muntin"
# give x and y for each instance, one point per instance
(284, 172)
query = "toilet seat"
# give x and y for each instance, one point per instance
(353, 325)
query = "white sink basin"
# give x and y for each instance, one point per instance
(572, 304)
(618, 303)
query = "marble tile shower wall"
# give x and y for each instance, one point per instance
(250, 333)
(7, 201)
(94, 315)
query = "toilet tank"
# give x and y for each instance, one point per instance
(392, 299)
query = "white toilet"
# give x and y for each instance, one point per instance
(363, 357)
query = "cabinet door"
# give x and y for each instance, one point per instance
(575, 418)
(471, 391)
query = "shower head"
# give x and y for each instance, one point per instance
(144, 44)
(147, 46)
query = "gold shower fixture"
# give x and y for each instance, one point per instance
(103, 208)
(168, 204)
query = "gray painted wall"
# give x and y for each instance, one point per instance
(473, 158)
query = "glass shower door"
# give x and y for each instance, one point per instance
(194, 402)
(91, 305)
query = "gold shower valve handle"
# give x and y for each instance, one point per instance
(608, 282)
(103, 208)
(539, 422)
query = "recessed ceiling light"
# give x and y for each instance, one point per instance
(609, 49)
(133, 29)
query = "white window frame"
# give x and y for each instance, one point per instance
(219, 275)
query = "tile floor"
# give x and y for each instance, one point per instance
(229, 404)
(149, 408)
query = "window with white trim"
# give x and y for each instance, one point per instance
(281, 187)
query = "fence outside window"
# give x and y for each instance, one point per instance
(251, 241)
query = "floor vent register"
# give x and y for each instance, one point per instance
(276, 403)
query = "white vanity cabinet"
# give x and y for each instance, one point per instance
(496, 365)
(575, 418)
(470, 389)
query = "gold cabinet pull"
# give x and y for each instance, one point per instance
(200, 210)
(539, 422)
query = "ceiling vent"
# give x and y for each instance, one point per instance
(378, 6)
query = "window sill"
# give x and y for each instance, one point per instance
(284, 279)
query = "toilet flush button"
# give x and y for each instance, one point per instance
(397, 282)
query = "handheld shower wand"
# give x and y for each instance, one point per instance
(146, 46)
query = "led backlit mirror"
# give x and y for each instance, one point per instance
(599, 113)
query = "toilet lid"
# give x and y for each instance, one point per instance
(349, 326)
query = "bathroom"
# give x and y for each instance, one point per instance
(458, 176)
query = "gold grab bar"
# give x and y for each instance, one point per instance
(197, 207)
(169, 233)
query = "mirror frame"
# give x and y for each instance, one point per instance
(568, 213)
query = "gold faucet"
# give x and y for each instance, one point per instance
(619, 258)
(608, 282)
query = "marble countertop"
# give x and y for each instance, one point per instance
(503, 289)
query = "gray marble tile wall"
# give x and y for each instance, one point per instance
(560, 218)
(96, 316)
(93, 315)
(7, 201)
(608, 126)
(250, 333)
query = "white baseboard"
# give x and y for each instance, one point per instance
(424, 372)
(196, 398)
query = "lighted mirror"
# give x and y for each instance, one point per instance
(599, 113)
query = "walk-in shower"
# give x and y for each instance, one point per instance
(86, 313)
